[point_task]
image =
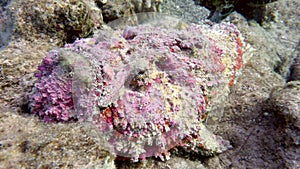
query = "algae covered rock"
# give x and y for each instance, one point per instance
(295, 68)
(251, 9)
(6, 24)
(285, 102)
(32, 144)
(55, 19)
(147, 5)
(114, 9)
(146, 88)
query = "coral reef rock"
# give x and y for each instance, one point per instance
(146, 88)
(18, 62)
(114, 9)
(25, 142)
(147, 5)
(6, 25)
(251, 9)
(186, 10)
(57, 20)
(284, 102)
(295, 67)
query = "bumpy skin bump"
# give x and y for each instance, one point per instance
(147, 89)
(52, 98)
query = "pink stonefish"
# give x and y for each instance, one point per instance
(146, 88)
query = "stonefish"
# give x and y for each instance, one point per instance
(146, 88)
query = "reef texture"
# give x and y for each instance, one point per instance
(284, 102)
(63, 22)
(6, 24)
(147, 5)
(251, 9)
(114, 9)
(295, 67)
(147, 89)
(32, 144)
(59, 20)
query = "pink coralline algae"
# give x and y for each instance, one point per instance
(147, 89)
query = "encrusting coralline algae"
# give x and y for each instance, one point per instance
(146, 88)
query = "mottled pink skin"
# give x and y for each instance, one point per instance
(52, 99)
(123, 100)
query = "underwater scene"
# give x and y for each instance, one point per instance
(149, 84)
